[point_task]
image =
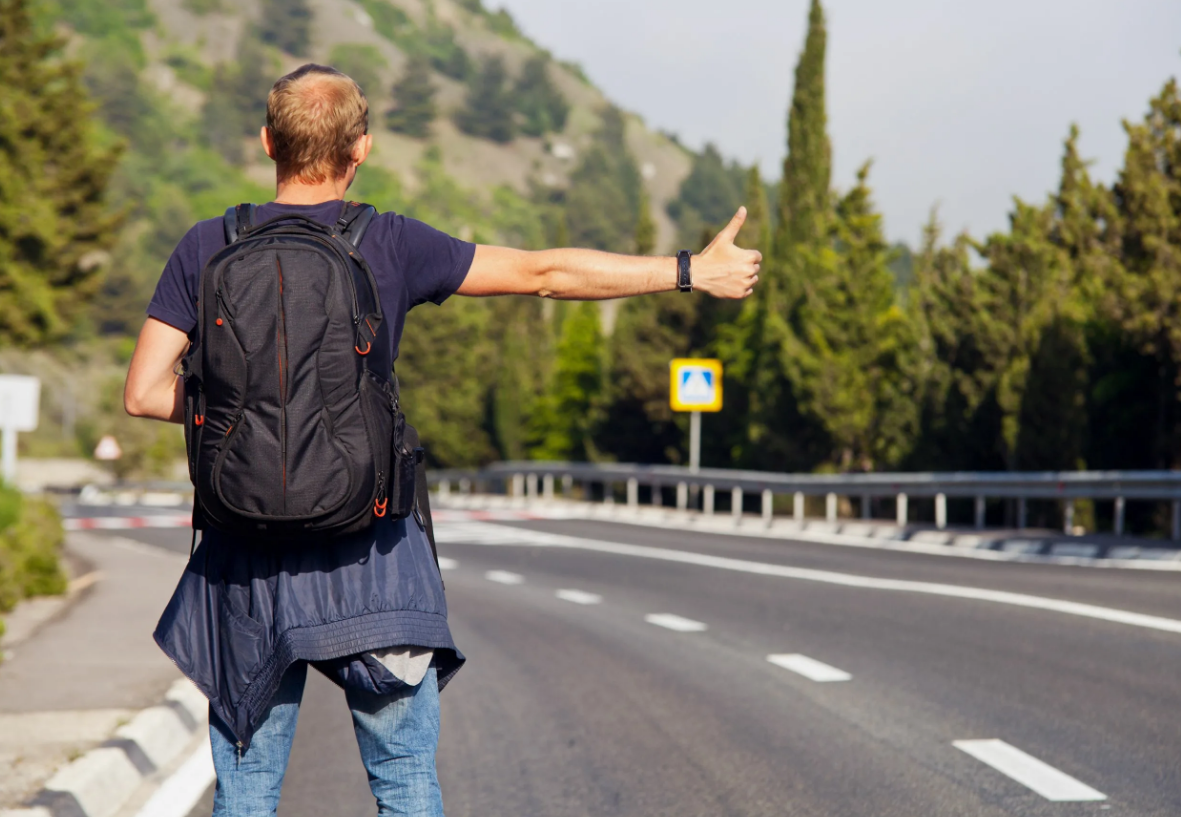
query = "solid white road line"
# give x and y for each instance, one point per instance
(447, 564)
(1029, 771)
(472, 533)
(177, 796)
(673, 622)
(810, 668)
(504, 577)
(579, 596)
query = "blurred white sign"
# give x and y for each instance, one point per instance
(108, 449)
(19, 399)
(19, 396)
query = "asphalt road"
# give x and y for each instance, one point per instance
(570, 708)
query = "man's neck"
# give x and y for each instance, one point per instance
(293, 192)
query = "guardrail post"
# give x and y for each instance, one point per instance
(547, 487)
(1022, 513)
(980, 513)
(1119, 515)
(682, 496)
(608, 493)
(707, 501)
(657, 495)
(1177, 520)
(900, 503)
(941, 511)
(797, 507)
(444, 488)
(567, 484)
(866, 506)
(531, 487)
(518, 485)
(736, 504)
(1068, 517)
(633, 492)
(465, 486)
(830, 508)
(768, 506)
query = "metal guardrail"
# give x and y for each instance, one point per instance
(522, 478)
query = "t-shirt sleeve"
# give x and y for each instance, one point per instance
(434, 264)
(175, 299)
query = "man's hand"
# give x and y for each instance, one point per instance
(724, 270)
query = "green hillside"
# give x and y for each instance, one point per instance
(183, 84)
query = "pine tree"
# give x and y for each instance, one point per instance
(567, 414)
(603, 200)
(848, 356)
(55, 226)
(1142, 289)
(414, 100)
(287, 25)
(807, 170)
(488, 112)
(541, 104)
(440, 368)
(524, 364)
(645, 228)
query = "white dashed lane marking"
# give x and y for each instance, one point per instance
(579, 596)
(447, 564)
(1029, 771)
(504, 577)
(810, 668)
(677, 623)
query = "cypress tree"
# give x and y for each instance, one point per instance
(488, 112)
(807, 170)
(54, 223)
(566, 416)
(414, 100)
(756, 231)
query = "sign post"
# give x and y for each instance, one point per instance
(695, 386)
(20, 397)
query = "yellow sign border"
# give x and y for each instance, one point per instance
(674, 369)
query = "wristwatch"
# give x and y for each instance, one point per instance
(684, 271)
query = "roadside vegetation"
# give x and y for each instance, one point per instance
(30, 547)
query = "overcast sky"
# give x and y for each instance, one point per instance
(960, 104)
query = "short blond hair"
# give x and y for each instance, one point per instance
(315, 116)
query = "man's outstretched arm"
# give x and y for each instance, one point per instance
(721, 270)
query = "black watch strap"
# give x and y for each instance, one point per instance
(684, 271)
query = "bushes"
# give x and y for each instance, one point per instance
(30, 543)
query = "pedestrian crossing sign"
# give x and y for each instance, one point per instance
(696, 385)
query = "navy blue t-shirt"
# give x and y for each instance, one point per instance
(412, 262)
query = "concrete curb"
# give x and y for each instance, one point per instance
(101, 781)
(1025, 546)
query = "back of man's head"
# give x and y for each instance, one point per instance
(315, 116)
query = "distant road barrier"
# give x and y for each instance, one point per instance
(532, 480)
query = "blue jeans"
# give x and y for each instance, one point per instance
(397, 735)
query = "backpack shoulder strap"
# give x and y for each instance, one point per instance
(354, 221)
(238, 221)
(422, 497)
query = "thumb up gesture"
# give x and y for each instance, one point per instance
(725, 270)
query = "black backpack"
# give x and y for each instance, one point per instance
(292, 418)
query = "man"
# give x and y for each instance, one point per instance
(367, 610)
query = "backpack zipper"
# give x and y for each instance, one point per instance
(281, 342)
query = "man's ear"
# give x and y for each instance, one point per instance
(361, 149)
(267, 143)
